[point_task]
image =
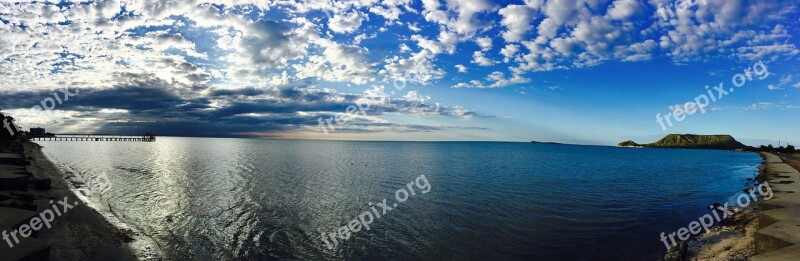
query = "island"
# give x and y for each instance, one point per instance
(629, 144)
(540, 142)
(691, 141)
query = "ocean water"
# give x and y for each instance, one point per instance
(204, 198)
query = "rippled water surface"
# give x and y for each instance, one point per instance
(205, 198)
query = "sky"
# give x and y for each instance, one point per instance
(574, 71)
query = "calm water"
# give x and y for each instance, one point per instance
(271, 199)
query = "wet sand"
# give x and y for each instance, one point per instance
(82, 233)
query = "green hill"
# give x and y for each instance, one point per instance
(692, 141)
(628, 143)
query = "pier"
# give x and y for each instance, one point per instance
(147, 137)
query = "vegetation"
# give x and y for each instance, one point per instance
(692, 141)
(715, 142)
(789, 149)
(628, 143)
(8, 130)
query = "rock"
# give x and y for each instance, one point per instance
(676, 253)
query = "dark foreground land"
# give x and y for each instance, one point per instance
(29, 183)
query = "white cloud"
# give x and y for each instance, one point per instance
(624, 9)
(484, 42)
(761, 106)
(414, 27)
(404, 48)
(781, 82)
(496, 80)
(418, 68)
(391, 9)
(509, 51)
(636, 52)
(460, 14)
(461, 68)
(479, 59)
(517, 20)
(338, 63)
(81, 45)
(347, 22)
(416, 97)
(499, 79)
(474, 84)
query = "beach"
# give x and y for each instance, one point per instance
(82, 233)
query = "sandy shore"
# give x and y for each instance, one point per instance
(82, 233)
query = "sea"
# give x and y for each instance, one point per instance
(265, 199)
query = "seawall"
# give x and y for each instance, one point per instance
(778, 235)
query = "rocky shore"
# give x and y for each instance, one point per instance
(760, 231)
(731, 239)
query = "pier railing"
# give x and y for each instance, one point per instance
(93, 137)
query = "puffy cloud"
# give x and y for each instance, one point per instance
(480, 59)
(517, 20)
(509, 51)
(474, 84)
(624, 9)
(499, 79)
(196, 47)
(574, 34)
(196, 63)
(459, 16)
(636, 52)
(418, 68)
(496, 80)
(484, 42)
(391, 9)
(346, 23)
(722, 28)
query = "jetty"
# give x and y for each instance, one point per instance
(147, 137)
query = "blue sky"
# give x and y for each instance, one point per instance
(575, 71)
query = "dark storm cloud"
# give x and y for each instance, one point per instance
(154, 105)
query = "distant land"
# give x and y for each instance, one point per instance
(691, 141)
(539, 142)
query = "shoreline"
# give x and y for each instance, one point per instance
(84, 233)
(753, 233)
(732, 238)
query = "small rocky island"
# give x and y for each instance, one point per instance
(691, 141)
(629, 144)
